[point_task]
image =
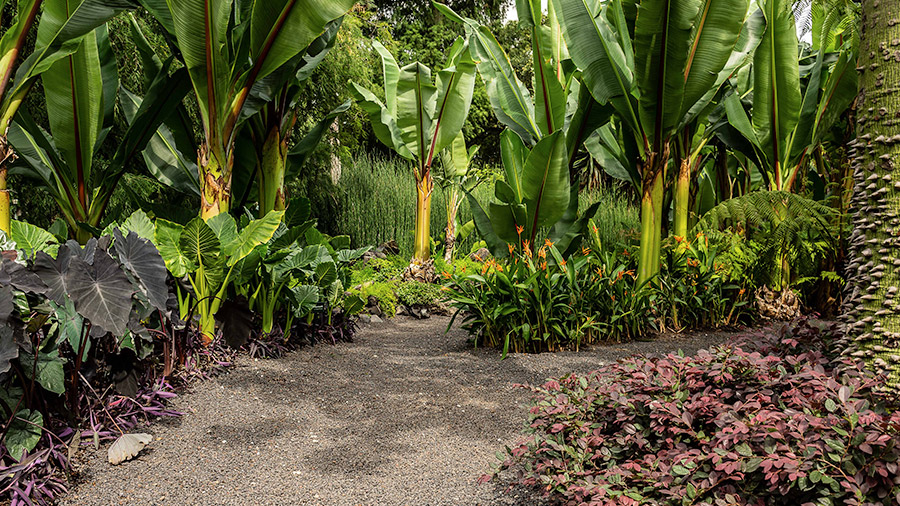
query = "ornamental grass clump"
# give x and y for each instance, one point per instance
(771, 421)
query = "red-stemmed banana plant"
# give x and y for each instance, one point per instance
(419, 118)
(545, 132)
(17, 76)
(80, 95)
(228, 48)
(655, 79)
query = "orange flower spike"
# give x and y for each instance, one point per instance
(548, 243)
(543, 266)
(519, 229)
(527, 247)
(542, 252)
(511, 248)
(585, 251)
(446, 275)
(599, 272)
(563, 263)
(595, 229)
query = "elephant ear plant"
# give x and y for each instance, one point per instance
(419, 118)
(207, 255)
(298, 270)
(99, 298)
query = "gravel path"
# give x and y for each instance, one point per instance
(403, 416)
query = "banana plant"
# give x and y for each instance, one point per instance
(207, 253)
(455, 175)
(419, 118)
(560, 116)
(228, 49)
(787, 124)
(269, 125)
(80, 93)
(657, 79)
(61, 37)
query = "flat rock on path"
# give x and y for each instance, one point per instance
(405, 415)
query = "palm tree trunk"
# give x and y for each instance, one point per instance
(871, 304)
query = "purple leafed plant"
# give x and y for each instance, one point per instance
(771, 421)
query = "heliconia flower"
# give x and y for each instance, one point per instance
(562, 263)
(446, 275)
(511, 248)
(543, 266)
(527, 247)
(585, 251)
(542, 252)
(599, 271)
(548, 243)
(519, 229)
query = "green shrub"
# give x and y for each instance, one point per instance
(416, 293)
(383, 291)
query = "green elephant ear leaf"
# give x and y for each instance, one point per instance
(168, 241)
(140, 224)
(48, 371)
(32, 239)
(24, 433)
(199, 243)
(255, 233)
(225, 227)
(304, 299)
(326, 273)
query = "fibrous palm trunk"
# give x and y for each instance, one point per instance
(872, 306)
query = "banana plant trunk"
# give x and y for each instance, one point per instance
(871, 300)
(271, 173)
(215, 182)
(683, 197)
(652, 190)
(7, 156)
(422, 245)
(450, 232)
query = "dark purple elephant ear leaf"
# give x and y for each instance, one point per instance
(53, 273)
(23, 279)
(101, 292)
(7, 306)
(8, 348)
(141, 257)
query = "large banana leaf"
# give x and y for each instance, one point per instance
(776, 90)
(662, 45)
(545, 182)
(78, 20)
(717, 28)
(416, 106)
(74, 92)
(509, 97)
(13, 41)
(602, 55)
(201, 28)
(282, 29)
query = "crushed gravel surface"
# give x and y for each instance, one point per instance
(405, 415)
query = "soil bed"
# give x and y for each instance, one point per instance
(403, 416)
